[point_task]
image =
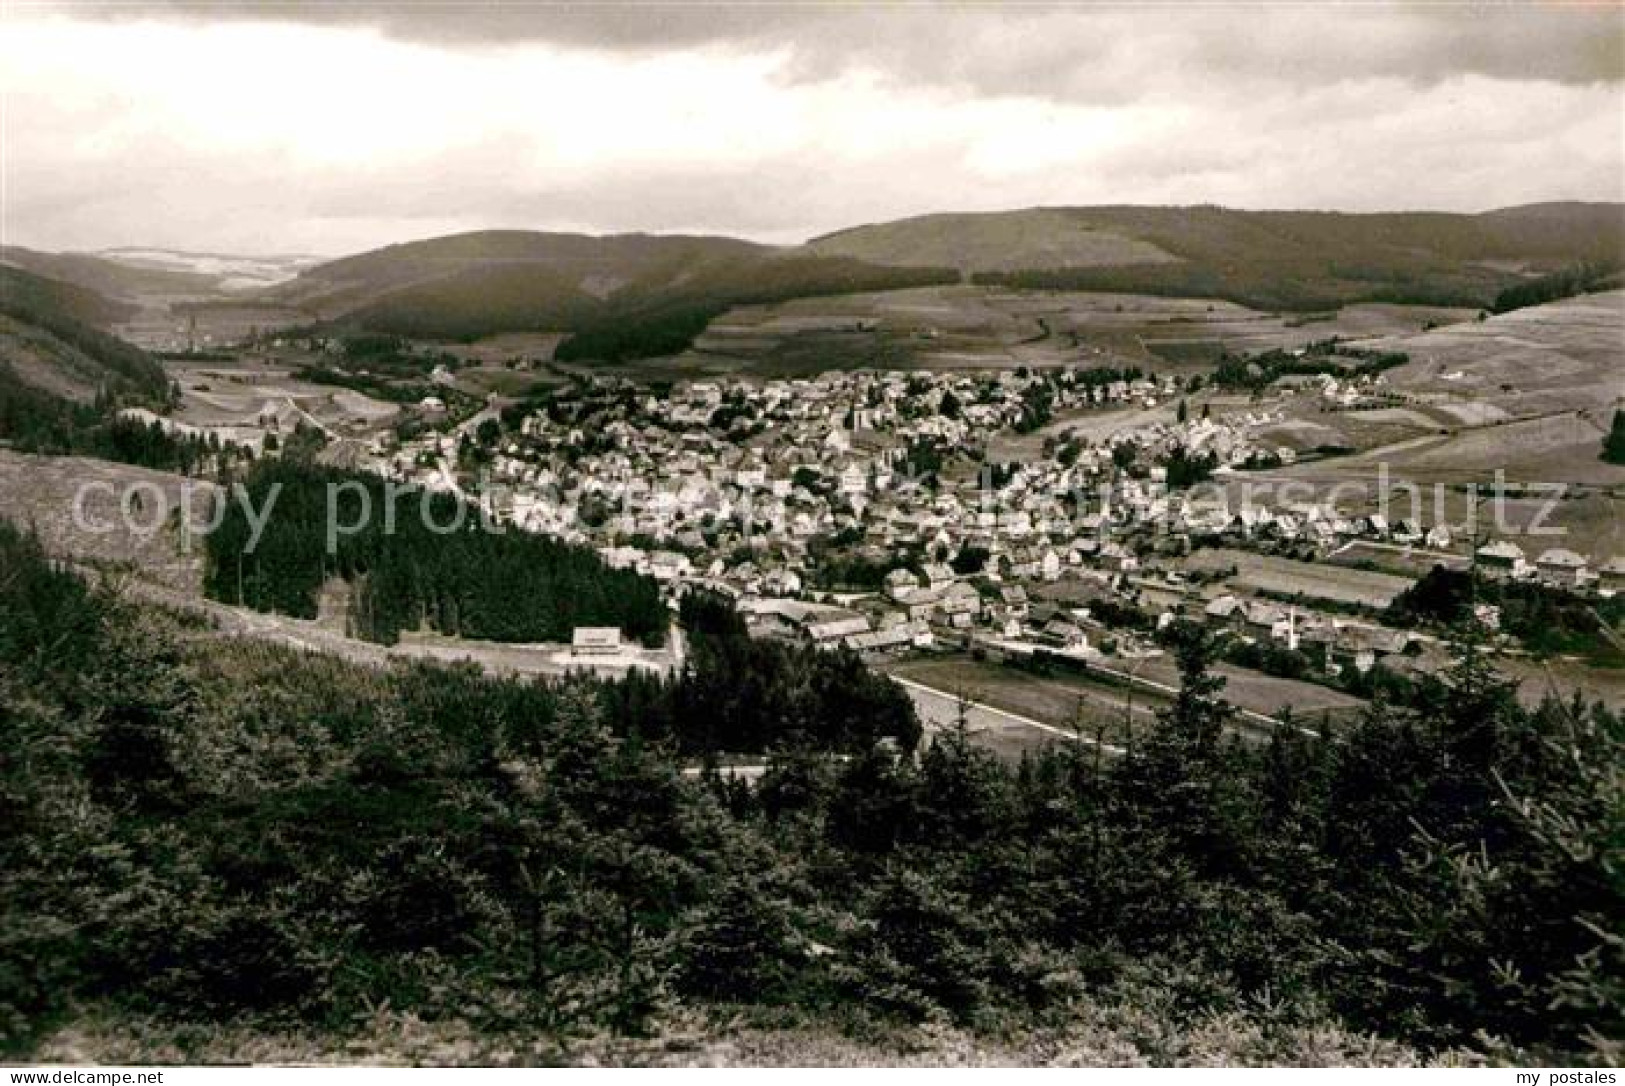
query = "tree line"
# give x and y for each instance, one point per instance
(664, 317)
(1581, 278)
(414, 559)
(738, 694)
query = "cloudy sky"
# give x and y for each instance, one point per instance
(332, 127)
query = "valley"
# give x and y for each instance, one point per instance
(1528, 394)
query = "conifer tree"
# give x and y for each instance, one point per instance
(1613, 446)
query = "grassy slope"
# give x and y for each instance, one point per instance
(994, 241)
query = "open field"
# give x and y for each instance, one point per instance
(1560, 447)
(1429, 444)
(1033, 237)
(1286, 577)
(39, 492)
(979, 327)
(1531, 391)
(530, 347)
(1064, 702)
(1311, 703)
(174, 322)
(1097, 704)
(1397, 559)
(216, 392)
(1094, 425)
(1007, 734)
(244, 399)
(1563, 678)
(1551, 357)
(482, 382)
(1528, 395)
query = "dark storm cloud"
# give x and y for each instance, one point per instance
(1098, 53)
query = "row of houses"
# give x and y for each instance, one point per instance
(1555, 566)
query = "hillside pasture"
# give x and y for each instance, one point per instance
(1544, 358)
(998, 241)
(232, 395)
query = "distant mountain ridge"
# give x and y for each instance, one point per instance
(621, 296)
(993, 241)
(222, 271)
(1027, 237)
(113, 280)
(590, 265)
(131, 273)
(627, 295)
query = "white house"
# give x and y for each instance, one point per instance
(595, 641)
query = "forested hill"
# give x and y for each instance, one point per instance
(1266, 259)
(109, 278)
(615, 297)
(594, 265)
(628, 296)
(210, 838)
(63, 381)
(468, 582)
(73, 356)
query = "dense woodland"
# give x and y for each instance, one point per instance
(665, 317)
(207, 834)
(743, 695)
(1582, 278)
(662, 299)
(414, 559)
(1544, 618)
(1325, 357)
